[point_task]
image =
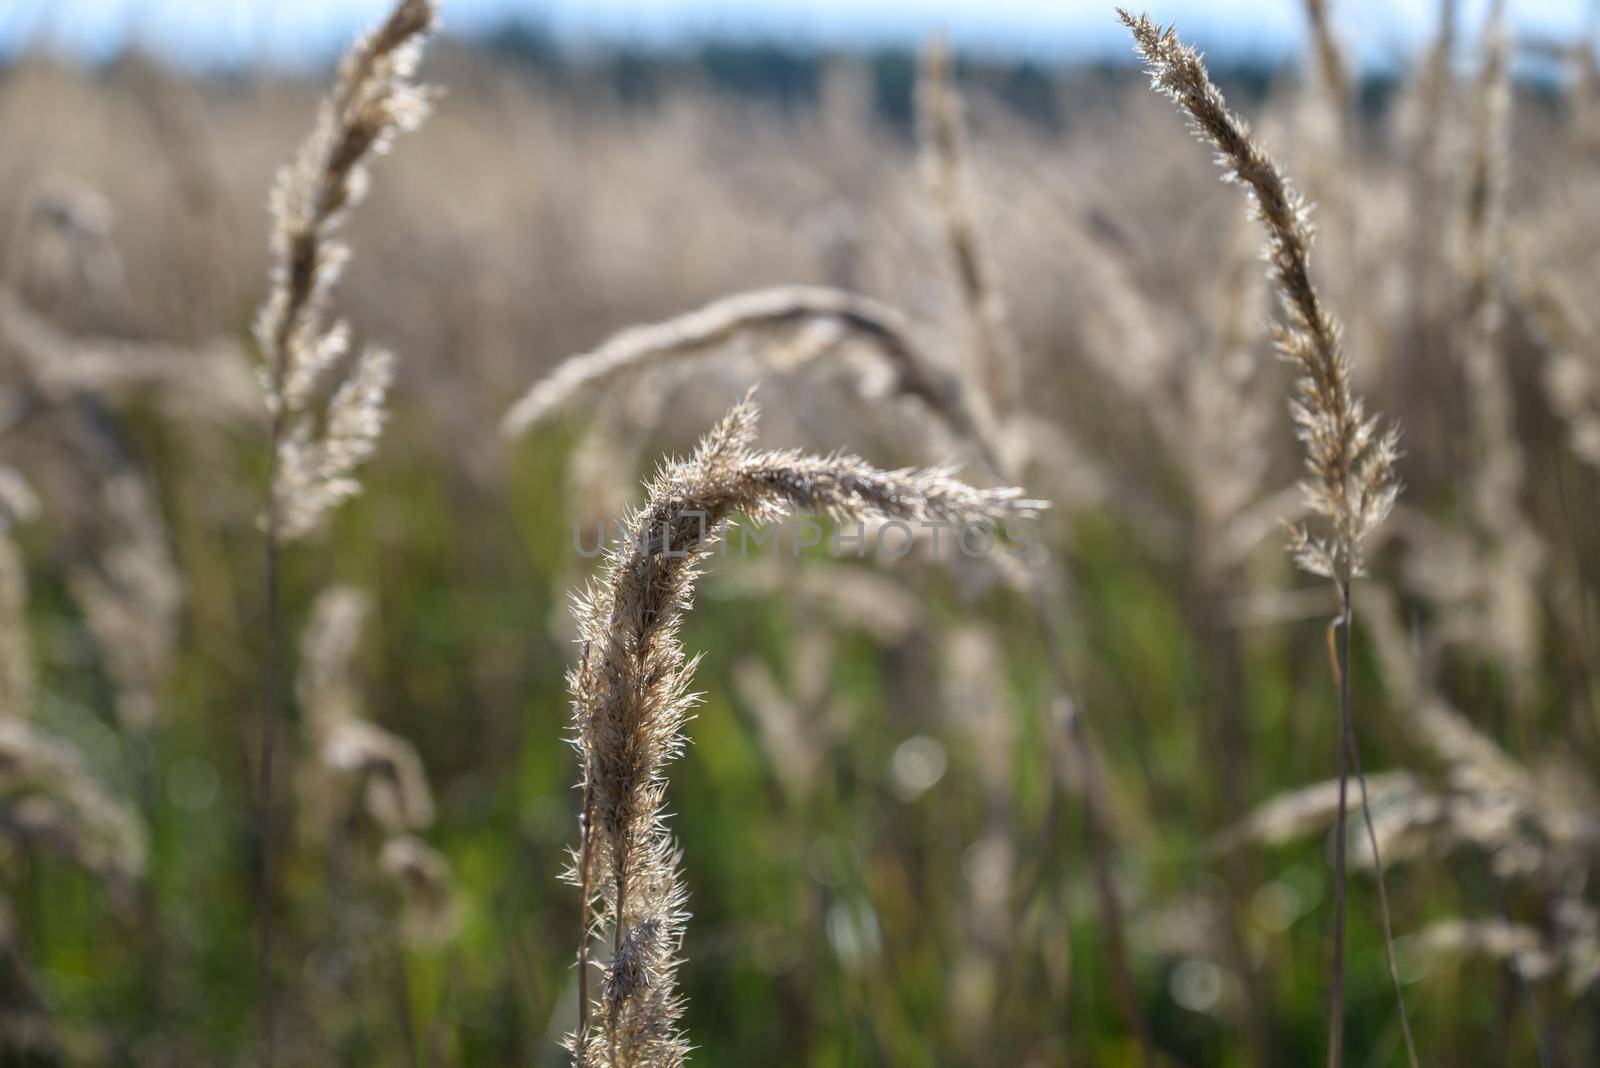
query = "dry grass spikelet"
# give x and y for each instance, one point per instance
(16, 660)
(1410, 819)
(1299, 812)
(772, 312)
(1476, 766)
(1514, 552)
(1569, 947)
(430, 912)
(854, 598)
(1220, 425)
(1538, 832)
(50, 798)
(209, 382)
(352, 753)
(129, 591)
(1571, 345)
(631, 696)
(1519, 946)
(118, 559)
(1531, 836)
(326, 685)
(359, 770)
(1429, 148)
(1331, 71)
(47, 795)
(327, 406)
(1488, 172)
(797, 724)
(396, 786)
(997, 364)
(1350, 458)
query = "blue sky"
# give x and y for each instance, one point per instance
(223, 32)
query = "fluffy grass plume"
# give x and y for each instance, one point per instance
(783, 308)
(1349, 455)
(358, 769)
(352, 755)
(630, 697)
(1572, 356)
(327, 407)
(48, 796)
(1350, 458)
(1514, 551)
(943, 145)
(210, 382)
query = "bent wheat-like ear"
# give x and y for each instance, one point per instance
(766, 311)
(631, 696)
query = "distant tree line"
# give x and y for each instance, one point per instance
(791, 76)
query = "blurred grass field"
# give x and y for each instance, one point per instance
(839, 918)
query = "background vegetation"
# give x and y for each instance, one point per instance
(884, 846)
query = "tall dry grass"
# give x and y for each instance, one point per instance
(1350, 457)
(631, 697)
(1039, 812)
(325, 406)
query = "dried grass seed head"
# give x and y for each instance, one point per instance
(631, 689)
(1349, 456)
(318, 445)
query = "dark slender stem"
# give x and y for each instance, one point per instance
(264, 814)
(1225, 743)
(271, 698)
(1524, 987)
(153, 955)
(1050, 843)
(1336, 994)
(405, 1017)
(441, 1021)
(1105, 886)
(1354, 755)
(1076, 736)
(1586, 630)
(1069, 739)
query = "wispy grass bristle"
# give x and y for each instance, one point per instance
(327, 405)
(631, 697)
(782, 309)
(1350, 458)
(996, 364)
